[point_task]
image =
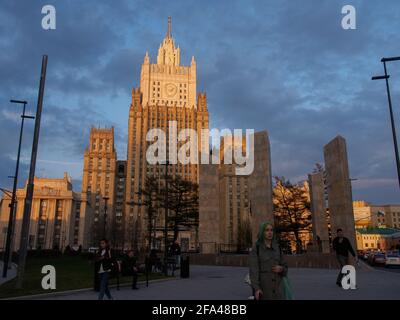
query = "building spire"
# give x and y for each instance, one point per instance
(169, 35)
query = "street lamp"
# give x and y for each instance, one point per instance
(26, 219)
(386, 78)
(105, 215)
(7, 253)
(166, 163)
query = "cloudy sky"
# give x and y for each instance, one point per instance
(268, 64)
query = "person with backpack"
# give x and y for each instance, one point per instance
(104, 265)
(268, 269)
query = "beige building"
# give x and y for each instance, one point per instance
(98, 182)
(377, 238)
(167, 93)
(226, 200)
(58, 216)
(235, 218)
(367, 214)
(117, 227)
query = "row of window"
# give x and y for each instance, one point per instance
(157, 83)
(167, 102)
(100, 146)
(98, 178)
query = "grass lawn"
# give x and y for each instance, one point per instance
(71, 273)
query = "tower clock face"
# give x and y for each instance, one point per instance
(170, 90)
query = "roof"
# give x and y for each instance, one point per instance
(381, 231)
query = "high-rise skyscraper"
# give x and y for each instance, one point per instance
(117, 226)
(167, 93)
(98, 182)
(234, 199)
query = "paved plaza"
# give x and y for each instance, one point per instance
(11, 273)
(220, 283)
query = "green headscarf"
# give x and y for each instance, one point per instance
(261, 233)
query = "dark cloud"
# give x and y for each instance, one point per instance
(270, 65)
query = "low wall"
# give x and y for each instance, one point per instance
(307, 260)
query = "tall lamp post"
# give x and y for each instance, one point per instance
(7, 253)
(23, 247)
(105, 216)
(386, 78)
(166, 219)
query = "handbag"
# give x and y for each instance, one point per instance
(287, 289)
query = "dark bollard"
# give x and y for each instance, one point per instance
(147, 267)
(185, 267)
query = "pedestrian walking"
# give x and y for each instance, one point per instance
(268, 269)
(342, 246)
(104, 264)
(175, 252)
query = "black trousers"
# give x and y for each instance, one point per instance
(342, 262)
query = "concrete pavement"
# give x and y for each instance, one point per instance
(216, 283)
(11, 273)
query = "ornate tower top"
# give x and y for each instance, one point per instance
(169, 34)
(168, 54)
(167, 82)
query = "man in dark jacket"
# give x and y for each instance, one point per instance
(175, 253)
(342, 247)
(130, 268)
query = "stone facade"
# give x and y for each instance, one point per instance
(339, 188)
(382, 239)
(232, 206)
(260, 183)
(209, 209)
(117, 228)
(98, 181)
(318, 212)
(58, 217)
(375, 215)
(167, 96)
(235, 220)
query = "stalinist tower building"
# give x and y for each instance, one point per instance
(167, 93)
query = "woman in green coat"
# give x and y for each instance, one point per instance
(268, 268)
